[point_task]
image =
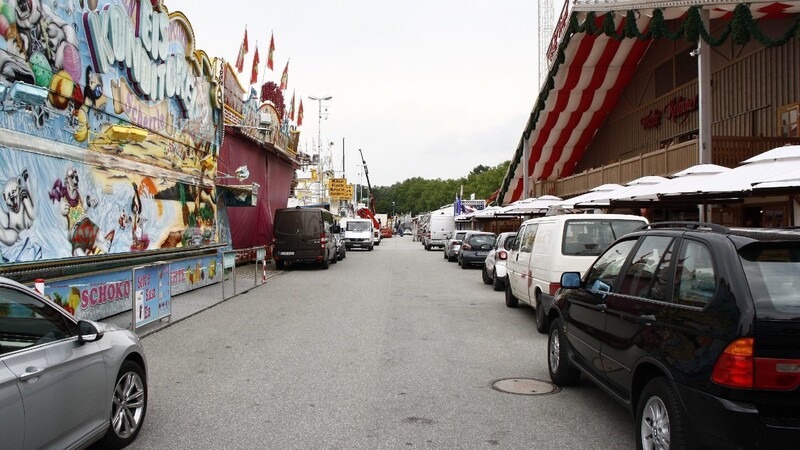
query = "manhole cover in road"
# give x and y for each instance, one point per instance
(525, 386)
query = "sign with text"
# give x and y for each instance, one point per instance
(152, 299)
(339, 188)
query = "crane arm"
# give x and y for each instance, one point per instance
(369, 186)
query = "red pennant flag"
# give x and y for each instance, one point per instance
(271, 52)
(291, 109)
(285, 77)
(300, 113)
(254, 73)
(242, 51)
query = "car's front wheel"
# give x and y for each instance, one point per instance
(561, 371)
(659, 422)
(511, 301)
(128, 406)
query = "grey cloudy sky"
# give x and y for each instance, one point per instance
(425, 88)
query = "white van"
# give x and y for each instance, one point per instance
(358, 233)
(440, 224)
(546, 247)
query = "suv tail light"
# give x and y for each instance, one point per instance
(734, 367)
(502, 255)
(737, 368)
(466, 247)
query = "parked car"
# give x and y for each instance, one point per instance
(695, 328)
(474, 248)
(547, 246)
(453, 244)
(341, 248)
(66, 383)
(494, 268)
(304, 235)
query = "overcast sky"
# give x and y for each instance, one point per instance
(425, 88)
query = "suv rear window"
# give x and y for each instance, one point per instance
(590, 237)
(459, 236)
(773, 273)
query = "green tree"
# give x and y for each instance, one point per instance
(416, 195)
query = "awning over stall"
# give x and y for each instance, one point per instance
(591, 69)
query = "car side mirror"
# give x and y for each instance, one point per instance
(571, 280)
(88, 332)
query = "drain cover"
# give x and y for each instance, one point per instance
(525, 386)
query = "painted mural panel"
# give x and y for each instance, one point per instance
(96, 297)
(108, 128)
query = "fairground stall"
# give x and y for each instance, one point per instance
(637, 88)
(259, 141)
(109, 132)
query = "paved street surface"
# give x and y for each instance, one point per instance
(394, 348)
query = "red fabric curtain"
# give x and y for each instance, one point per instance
(252, 226)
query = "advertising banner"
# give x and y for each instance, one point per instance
(99, 296)
(190, 274)
(94, 297)
(152, 299)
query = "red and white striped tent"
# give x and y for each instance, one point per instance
(581, 91)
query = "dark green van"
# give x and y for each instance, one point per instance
(304, 235)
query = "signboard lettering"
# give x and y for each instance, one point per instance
(677, 110)
(113, 38)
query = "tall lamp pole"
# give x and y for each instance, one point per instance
(320, 173)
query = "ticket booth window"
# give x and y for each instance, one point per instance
(788, 120)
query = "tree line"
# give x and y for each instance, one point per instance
(416, 195)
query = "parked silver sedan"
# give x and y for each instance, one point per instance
(494, 268)
(453, 244)
(65, 383)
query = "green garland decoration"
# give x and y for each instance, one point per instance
(741, 29)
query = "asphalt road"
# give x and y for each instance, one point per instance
(394, 348)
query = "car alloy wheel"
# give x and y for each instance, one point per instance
(658, 414)
(128, 406)
(554, 351)
(561, 371)
(655, 425)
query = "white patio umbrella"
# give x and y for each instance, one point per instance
(651, 192)
(538, 205)
(630, 189)
(781, 164)
(597, 192)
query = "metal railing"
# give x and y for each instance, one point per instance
(232, 283)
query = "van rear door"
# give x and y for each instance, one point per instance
(297, 233)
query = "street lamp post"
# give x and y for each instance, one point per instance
(320, 173)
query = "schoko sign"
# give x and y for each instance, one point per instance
(142, 48)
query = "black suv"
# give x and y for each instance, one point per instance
(695, 328)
